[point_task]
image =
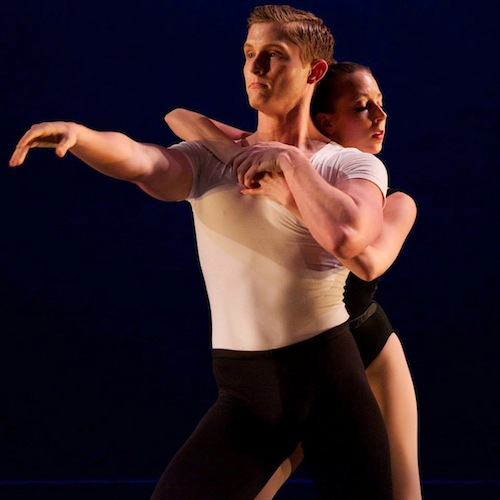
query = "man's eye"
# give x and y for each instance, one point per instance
(249, 55)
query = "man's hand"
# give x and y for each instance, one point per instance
(264, 157)
(275, 188)
(58, 135)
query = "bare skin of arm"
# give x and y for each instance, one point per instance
(217, 137)
(191, 126)
(400, 212)
(162, 173)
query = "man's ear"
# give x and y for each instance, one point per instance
(325, 122)
(319, 67)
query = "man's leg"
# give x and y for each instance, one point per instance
(241, 440)
(228, 456)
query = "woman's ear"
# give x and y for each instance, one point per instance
(325, 123)
(319, 67)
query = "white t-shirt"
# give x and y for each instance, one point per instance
(269, 283)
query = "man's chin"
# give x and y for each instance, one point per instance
(254, 103)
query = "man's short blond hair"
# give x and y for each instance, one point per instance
(302, 28)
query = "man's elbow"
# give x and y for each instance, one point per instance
(347, 244)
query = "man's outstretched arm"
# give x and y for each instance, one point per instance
(161, 172)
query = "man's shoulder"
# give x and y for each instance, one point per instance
(334, 162)
(190, 148)
(208, 171)
(197, 154)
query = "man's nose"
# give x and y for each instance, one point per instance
(259, 65)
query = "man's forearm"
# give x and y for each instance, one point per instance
(111, 153)
(335, 220)
(163, 173)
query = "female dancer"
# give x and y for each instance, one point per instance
(347, 108)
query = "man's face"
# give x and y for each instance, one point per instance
(275, 77)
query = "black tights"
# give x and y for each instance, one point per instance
(314, 392)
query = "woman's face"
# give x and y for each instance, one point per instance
(358, 120)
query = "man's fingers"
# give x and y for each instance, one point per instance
(35, 134)
(249, 164)
(65, 143)
(251, 177)
(18, 157)
(43, 135)
(240, 167)
(251, 191)
(21, 152)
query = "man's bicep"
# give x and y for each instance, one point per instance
(171, 175)
(369, 201)
(364, 192)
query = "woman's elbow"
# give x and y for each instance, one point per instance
(368, 274)
(176, 114)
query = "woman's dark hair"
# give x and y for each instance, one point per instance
(329, 89)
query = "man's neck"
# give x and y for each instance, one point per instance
(294, 129)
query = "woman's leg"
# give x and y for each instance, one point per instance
(343, 433)
(391, 382)
(283, 472)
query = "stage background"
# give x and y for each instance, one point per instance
(104, 346)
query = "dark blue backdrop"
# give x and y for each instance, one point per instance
(104, 347)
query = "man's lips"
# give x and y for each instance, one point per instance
(257, 85)
(378, 135)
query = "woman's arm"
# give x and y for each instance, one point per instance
(400, 212)
(217, 137)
